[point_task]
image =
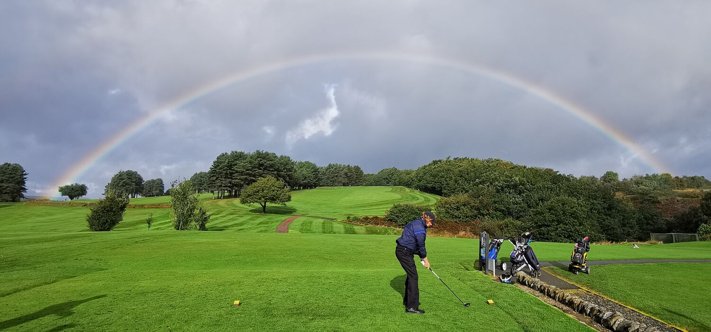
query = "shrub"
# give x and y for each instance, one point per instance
(401, 214)
(187, 212)
(201, 218)
(149, 220)
(705, 232)
(107, 213)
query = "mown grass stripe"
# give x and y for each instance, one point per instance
(349, 229)
(306, 226)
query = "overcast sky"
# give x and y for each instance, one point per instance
(345, 82)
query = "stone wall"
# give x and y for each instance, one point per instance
(612, 320)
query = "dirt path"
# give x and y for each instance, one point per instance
(284, 226)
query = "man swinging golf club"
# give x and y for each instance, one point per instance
(410, 243)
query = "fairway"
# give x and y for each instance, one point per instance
(321, 275)
(168, 280)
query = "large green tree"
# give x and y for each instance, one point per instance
(341, 175)
(153, 187)
(354, 175)
(12, 182)
(222, 178)
(73, 191)
(464, 207)
(231, 172)
(201, 182)
(562, 219)
(263, 163)
(128, 183)
(391, 177)
(266, 190)
(305, 175)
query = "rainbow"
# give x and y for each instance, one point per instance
(515, 82)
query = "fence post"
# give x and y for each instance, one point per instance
(483, 245)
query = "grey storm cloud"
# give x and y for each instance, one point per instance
(76, 73)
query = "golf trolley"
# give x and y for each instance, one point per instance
(522, 257)
(579, 257)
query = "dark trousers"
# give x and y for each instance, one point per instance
(412, 292)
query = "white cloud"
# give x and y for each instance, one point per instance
(269, 131)
(321, 123)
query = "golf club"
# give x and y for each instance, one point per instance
(466, 305)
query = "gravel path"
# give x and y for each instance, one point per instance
(284, 226)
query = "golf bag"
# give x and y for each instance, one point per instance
(493, 250)
(579, 256)
(522, 256)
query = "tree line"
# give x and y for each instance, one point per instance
(560, 207)
(231, 172)
(556, 206)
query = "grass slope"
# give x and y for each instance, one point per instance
(674, 292)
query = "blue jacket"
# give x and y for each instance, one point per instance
(413, 237)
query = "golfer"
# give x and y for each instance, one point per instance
(410, 243)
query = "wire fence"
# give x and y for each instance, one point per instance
(674, 237)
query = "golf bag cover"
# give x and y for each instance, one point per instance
(516, 256)
(494, 247)
(581, 247)
(577, 256)
(532, 259)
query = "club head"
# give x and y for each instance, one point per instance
(466, 305)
